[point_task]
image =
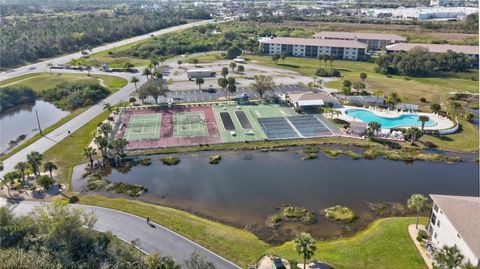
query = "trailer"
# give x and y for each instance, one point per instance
(197, 73)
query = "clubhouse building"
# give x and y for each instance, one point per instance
(455, 221)
(313, 47)
(374, 41)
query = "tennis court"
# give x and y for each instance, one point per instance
(277, 128)
(309, 126)
(143, 127)
(189, 124)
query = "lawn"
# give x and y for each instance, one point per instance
(384, 244)
(466, 139)
(99, 58)
(434, 89)
(42, 81)
(68, 152)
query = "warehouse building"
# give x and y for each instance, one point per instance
(374, 41)
(313, 47)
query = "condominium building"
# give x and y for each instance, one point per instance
(313, 47)
(374, 41)
(469, 51)
(455, 221)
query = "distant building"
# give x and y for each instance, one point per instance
(455, 221)
(445, 3)
(358, 128)
(312, 101)
(374, 41)
(313, 47)
(469, 51)
(422, 13)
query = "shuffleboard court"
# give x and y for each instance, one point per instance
(242, 118)
(309, 126)
(277, 128)
(189, 124)
(143, 127)
(227, 121)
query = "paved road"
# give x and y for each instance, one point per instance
(44, 143)
(130, 227)
(41, 66)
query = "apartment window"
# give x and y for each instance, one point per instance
(435, 207)
(433, 219)
(438, 223)
(435, 235)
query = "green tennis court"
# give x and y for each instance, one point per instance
(143, 127)
(187, 124)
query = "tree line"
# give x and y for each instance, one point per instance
(419, 62)
(72, 96)
(30, 38)
(11, 97)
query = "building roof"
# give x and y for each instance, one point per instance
(435, 48)
(367, 36)
(314, 42)
(358, 124)
(311, 97)
(464, 214)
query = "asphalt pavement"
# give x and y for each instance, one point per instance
(152, 238)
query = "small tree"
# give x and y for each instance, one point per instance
(417, 202)
(374, 127)
(448, 257)
(45, 182)
(262, 85)
(135, 80)
(363, 76)
(275, 58)
(223, 83)
(423, 119)
(50, 166)
(195, 61)
(198, 261)
(435, 108)
(89, 152)
(241, 68)
(305, 246)
(359, 86)
(233, 65)
(413, 133)
(132, 100)
(50, 65)
(283, 56)
(179, 62)
(146, 72)
(88, 68)
(199, 82)
(232, 85)
(224, 72)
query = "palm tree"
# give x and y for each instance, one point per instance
(35, 160)
(135, 80)
(417, 202)
(224, 72)
(195, 61)
(21, 167)
(262, 84)
(146, 72)
(88, 68)
(50, 65)
(233, 65)
(435, 108)
(223, 83)
(89, 152)
(107, 106)
(363, 76)
(179, 62)
(359, 86)
(106, 129)
(374, 127)
(3, 180)
(392, 99)
(305, 245)
(423, 119)
(199, 82)
(454, 106)
(413, 133)
(448, 257)
(102, 144)
(50, 166)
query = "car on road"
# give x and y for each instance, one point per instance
(177, 99)
(210, 90)
(32, 68)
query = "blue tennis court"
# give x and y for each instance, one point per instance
(277, 128)
(309, 126)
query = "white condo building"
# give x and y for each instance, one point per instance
(455, 220)
(313, 47)
(375, 41)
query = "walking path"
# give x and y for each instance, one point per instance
(413, 232)
(152, 238)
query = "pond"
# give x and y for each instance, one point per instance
(247, 187)
(22, 120)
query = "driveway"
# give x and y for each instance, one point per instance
(129, 227)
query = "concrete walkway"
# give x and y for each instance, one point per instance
(128, 227)
(413, 232)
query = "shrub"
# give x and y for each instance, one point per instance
(215, 159)
(422, 235)
(340, 213)
(170, 160)
(334, 73)
(321, 72)
(423, 100)
(45, 182)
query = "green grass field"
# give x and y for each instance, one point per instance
(466, 139)
(42, 81)
(435, 89)
(189, 124)
(103, 57)
(143, 126)
(384, 244)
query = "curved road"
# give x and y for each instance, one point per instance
(129, 227)
(44, 143)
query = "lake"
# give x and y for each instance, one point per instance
(22, 120)
(245, 191)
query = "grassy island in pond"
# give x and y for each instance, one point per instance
(340, 213)
(170, 160)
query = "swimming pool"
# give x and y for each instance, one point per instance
(400, 121)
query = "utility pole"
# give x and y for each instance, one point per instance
(38, 122)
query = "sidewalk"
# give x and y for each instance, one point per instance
(412, 231)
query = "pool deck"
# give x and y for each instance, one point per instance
(441, 123)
